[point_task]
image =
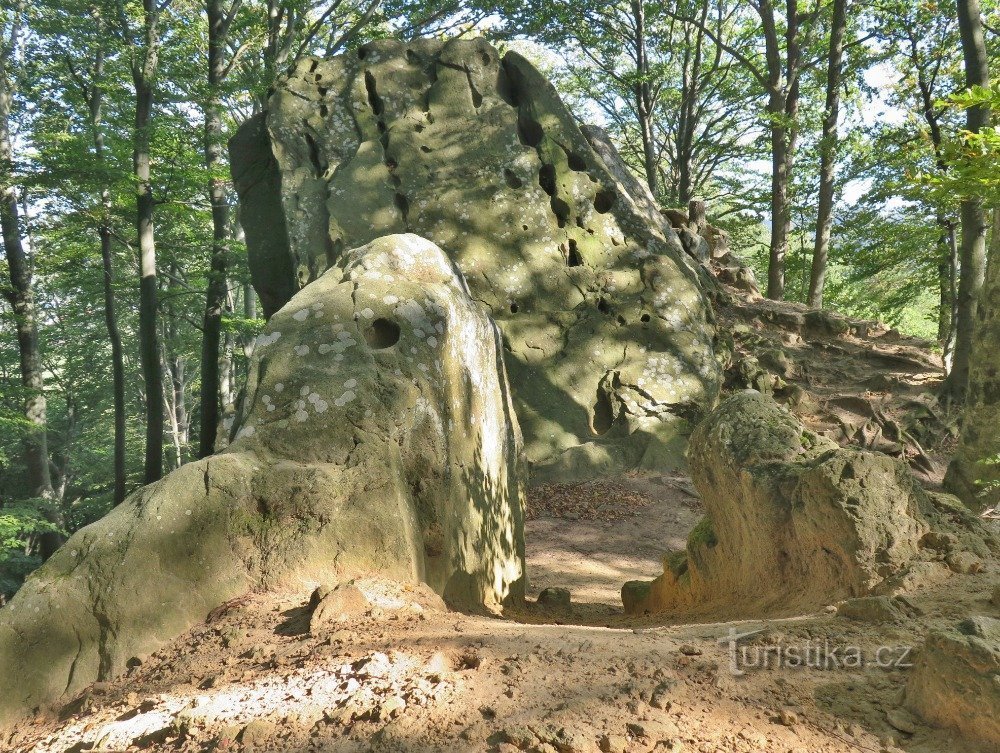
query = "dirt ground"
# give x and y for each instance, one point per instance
(405, 675)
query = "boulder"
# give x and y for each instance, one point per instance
(605, 320)
(955, 681)
(794, 522)
(376, 435)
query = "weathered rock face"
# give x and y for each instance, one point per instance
(793, 521)
(377, 435)
(954, 682)
(607, 328)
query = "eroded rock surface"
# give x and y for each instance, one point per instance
(377, 435)
(794, 521)
(607, 327)
(955, 681)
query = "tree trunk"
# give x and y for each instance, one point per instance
(974, 474)
(687, 118)
(782, 110)
(21, 297)
(95, 101)
(643, 96)
(780, 209)
(216, 294)
(828, 156)
(973, 216)
(143, 72)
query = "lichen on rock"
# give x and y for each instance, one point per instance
(606, 325)
(377, 435)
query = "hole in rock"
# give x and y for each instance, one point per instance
(529, 132)
(362, 53)
(402, 205)
(513, 308)
(323, 111)
(485, 57)
(644, 318)
(382, 334)
(603, 306)
(426, 149)
(603, 415)
(604, 200)
(374, 100)
(576, 162)
(547, 179)
(573, 258)
(512, 180)
(560, 209)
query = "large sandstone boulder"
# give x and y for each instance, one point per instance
(376, 435)
(955, 681)
(606, 325)
(793, 521)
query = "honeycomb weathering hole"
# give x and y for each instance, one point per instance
(384, 333)
(604, 200)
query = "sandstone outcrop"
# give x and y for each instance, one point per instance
(606, 325)
(376, 435)
(795, 522)
(955, 681)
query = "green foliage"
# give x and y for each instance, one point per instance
(20, 522)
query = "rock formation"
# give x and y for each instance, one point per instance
(794, 521)
(955, 681)
(376, 435)
(605, 320)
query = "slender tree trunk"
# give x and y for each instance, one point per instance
(781, 216)
(20, 295)
(948, 283)
(973, 216)
(143, 72)
(687, 121)
(216, 294)
(643, 96)
(828, 156)
(782, 110)
(95, 101)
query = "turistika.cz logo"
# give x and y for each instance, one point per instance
(821, 655)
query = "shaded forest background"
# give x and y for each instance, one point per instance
(844, 145)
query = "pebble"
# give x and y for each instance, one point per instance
(788, 717)
(901, 720)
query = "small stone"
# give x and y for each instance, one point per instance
(788, 717)
(391, 707)
(660, 697)
(555, 598)
(964, 562)
(688, 650)
(336, 604)
(901, 720)
(871, 609)
(614, 744)
(520, 737)
(257, 733)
